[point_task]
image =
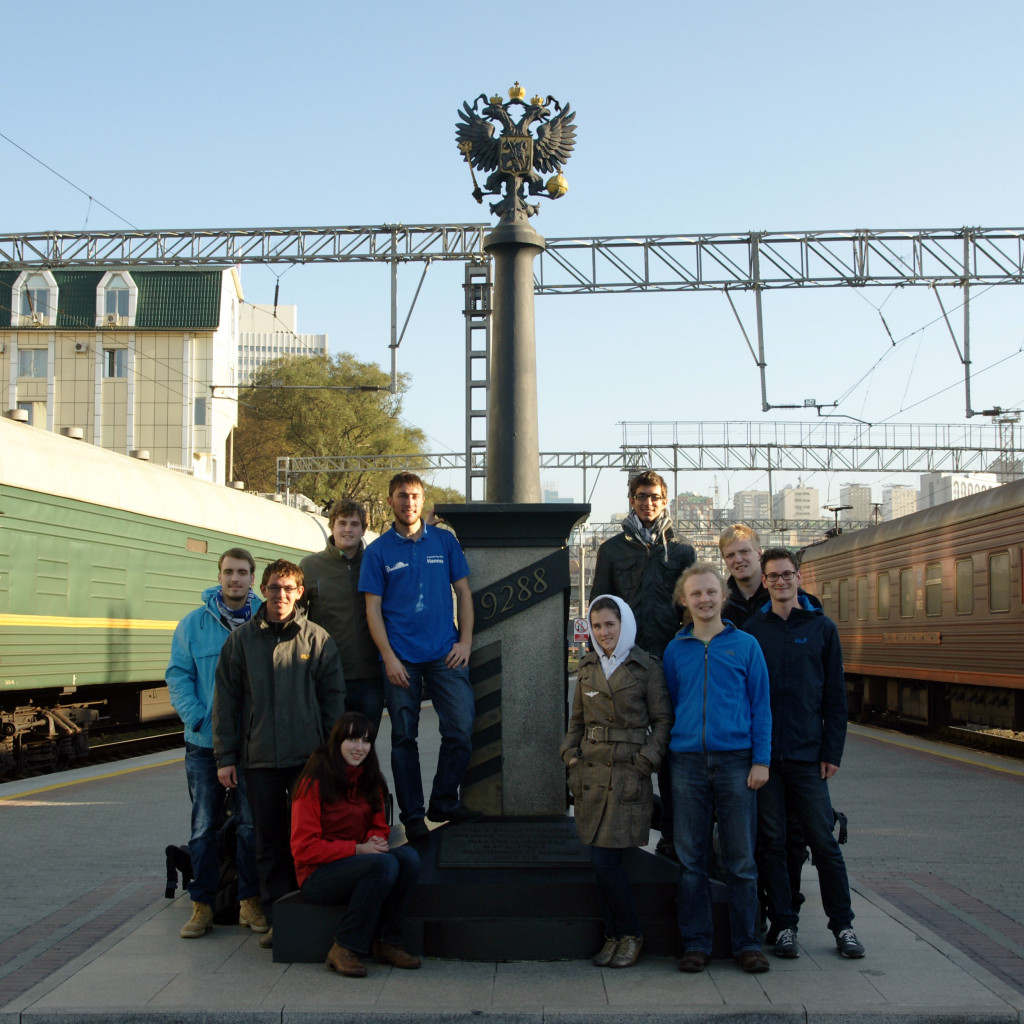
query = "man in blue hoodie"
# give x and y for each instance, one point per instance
(809, 710)
(190, 676)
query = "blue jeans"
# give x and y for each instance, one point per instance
(614, 894)
(367, 697)
(376, 886)
(207, 795)
(799, 785)
(452, 696)
(703, 784)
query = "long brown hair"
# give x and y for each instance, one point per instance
(326, 766)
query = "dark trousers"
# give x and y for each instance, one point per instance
(799, 787)
(270, 800)
(376, 886)
(614, 894)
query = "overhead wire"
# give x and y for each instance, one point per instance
(77, 188)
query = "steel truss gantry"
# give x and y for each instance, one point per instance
(725, 446)
(682, 262)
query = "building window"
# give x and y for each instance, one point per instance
(882, 595)
(116, 297)
(35, 296)
(999, 582)
(862, 597)
(844, 600)
(965, 586)
(933, 589)
(34, 299)
(31, 362)
(28, 407)
(908, 593)
(115, 362)
(200, 412)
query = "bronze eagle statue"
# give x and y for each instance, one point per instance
(516, 156)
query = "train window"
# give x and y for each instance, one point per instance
(844, 600)
(826, 599)
(964, 586)
(862, 597)
(882, 596)
(933, 589)
(200, 546)
(999, 582)
(908, 593)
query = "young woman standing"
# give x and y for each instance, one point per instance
(618, 734)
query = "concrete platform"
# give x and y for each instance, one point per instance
(144, 972)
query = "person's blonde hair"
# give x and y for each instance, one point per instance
(697, 569)
(739, 531)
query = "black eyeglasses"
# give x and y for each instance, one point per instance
(653, 498)
(774, 577)
(275, 589)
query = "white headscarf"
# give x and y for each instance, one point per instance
(627, 636)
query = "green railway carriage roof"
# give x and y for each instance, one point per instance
(186, 300)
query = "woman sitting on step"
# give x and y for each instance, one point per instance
(340, 846)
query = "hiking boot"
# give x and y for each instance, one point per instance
(753, 961)
(604, 955)
(250, 915)
(785, 944)
(457, 816)
(693, 961)
(267, 941)
(627, 952)
(200, 922)
(344, 961)
(395, 955)
(848, 946)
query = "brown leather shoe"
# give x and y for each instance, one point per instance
(344, 961)
(693, 961)
(395, 955)
(753, 961)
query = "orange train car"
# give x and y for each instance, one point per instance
(930, 609)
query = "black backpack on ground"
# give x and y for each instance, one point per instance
(178, 862)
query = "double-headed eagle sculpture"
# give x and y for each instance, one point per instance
(516, 156)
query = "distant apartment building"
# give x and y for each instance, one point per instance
(796, 503)
(128, 357)
(266, 333)
(698, 509)
(938, 488)
(859, 497)
(898, 500)
(747, 505)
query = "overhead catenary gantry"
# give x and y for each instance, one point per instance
(753, 261)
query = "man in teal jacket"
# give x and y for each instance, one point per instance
(190, 677)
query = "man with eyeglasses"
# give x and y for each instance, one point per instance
(809, 710)
(641, 565)
(281, 675)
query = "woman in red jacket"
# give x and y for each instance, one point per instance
(340, 846)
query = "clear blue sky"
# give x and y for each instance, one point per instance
(712, 117)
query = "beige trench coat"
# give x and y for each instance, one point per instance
(621, 728)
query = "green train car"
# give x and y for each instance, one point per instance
(100, 556)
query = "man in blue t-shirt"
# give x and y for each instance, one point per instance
(407, 576)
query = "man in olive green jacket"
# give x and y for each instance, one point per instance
(279, 690)
(332, 600)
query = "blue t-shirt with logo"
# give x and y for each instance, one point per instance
(413, 580)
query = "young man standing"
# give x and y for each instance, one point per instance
(280, 674)
(741, 552)
(809, 710)
(407, 579)
(641, 565)
(332, 600)
(196, 646)
(719, 750)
